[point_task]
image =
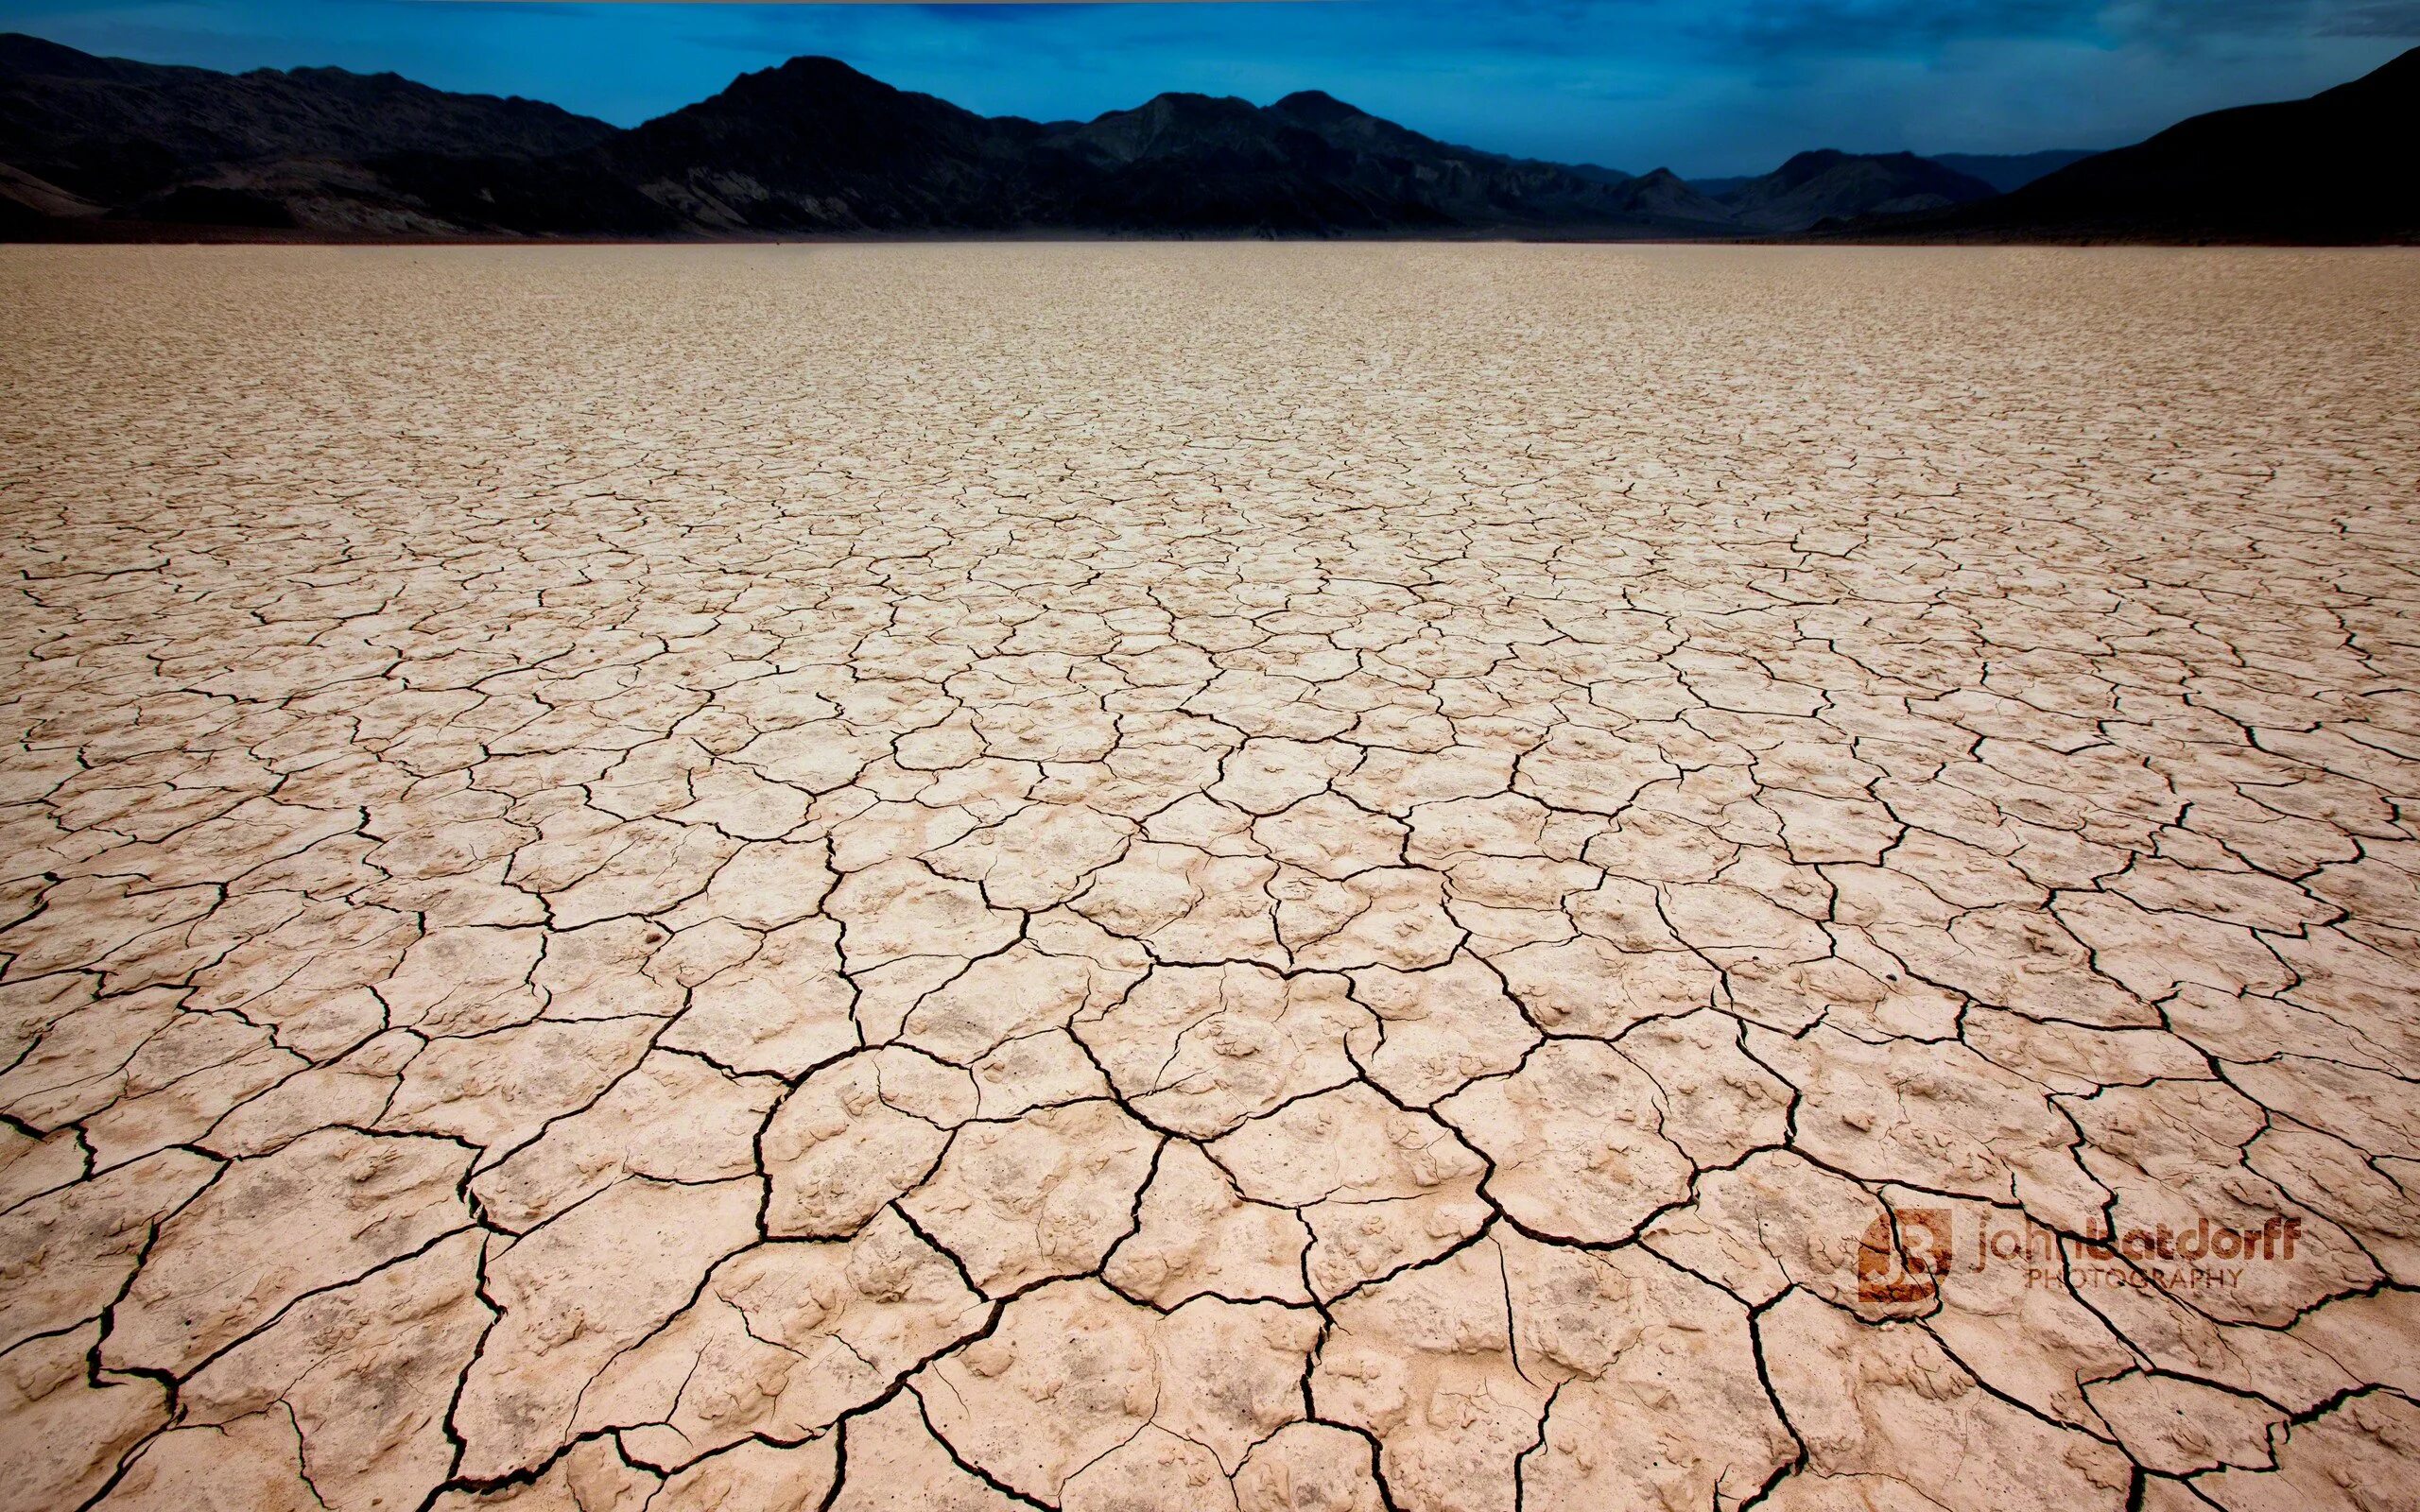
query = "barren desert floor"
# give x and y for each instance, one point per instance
(1194, 877)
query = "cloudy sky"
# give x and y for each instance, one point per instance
(1702, 86)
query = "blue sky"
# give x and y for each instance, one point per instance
(1702, 86)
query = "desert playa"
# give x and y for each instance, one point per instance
(1233, 877)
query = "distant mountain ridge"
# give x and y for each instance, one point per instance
(1999, 172)
(1815, 187)
(2319, 171)
(106, 148)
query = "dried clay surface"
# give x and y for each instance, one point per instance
(1279, 879)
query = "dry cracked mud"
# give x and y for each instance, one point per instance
(1344, 879)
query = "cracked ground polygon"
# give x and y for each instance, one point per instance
(1258, 877)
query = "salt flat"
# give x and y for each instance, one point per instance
(1186, 876)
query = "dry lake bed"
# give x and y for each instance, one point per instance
(1178, 877)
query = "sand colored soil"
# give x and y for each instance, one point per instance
(1227, 877)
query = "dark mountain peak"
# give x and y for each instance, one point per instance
(790, 118)
(1182, 106)
(810, 75)
(810, 84)
(1666, 198)
(1806, 165)
(1319, 106)
(823, 67)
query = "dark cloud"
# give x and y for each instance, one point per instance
(1835, 27)
(1817, 26)
(2375, 18)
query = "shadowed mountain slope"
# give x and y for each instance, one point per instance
(141, 138)
(2319, 171)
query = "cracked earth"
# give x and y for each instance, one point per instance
(1342, 878)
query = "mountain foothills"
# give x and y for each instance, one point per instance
(106, 148)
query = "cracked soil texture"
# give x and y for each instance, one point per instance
(1442, 878)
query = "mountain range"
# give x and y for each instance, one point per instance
(107, 148)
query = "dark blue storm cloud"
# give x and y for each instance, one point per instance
(1704, 86)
